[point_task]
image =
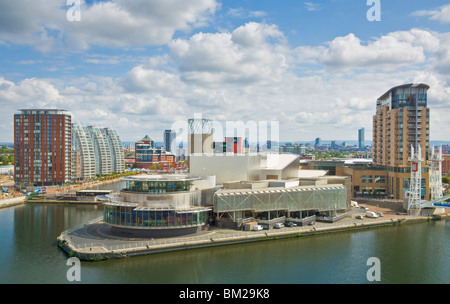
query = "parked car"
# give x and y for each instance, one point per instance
(364, 207)
(371, 214)
(257, 227)
(278, 225)
(291, 224)
(380, 214)
(311, 223)
(359, 217)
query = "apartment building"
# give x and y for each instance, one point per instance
(42, 147)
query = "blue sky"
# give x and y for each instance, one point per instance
(317, 67)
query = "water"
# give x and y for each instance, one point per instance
(414, 253)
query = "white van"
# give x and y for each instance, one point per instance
(371, 214)
(257, 227)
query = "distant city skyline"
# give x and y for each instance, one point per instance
(139, 66)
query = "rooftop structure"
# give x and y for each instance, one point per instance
(232, 167)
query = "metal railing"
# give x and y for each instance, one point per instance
(219, 237)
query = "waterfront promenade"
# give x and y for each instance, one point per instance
(9, 202)
(93, 241)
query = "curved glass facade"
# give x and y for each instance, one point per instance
(155, 186)
(130, 216)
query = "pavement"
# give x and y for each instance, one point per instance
(9, 202)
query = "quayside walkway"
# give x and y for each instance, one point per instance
(93, 241)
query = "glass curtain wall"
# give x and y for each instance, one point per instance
(127, 216)
(158, 186)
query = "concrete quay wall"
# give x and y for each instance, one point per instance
(97, 253)
(395, 205)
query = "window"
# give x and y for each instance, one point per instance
(367, 178)
(379, 179)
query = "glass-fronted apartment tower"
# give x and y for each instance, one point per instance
(402, 120)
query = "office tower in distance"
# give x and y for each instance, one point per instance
(169, 140)
(42, 147)
(361, 144)
(318, 142)
(147, 154)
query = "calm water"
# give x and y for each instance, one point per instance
(416, 253)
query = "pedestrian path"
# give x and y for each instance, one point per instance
(9, 202)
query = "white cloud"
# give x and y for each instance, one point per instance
(145, 79)
(251, 73)
(388, 51)
(441, 14)
(244, 13)
(310, 6)
(250, 54)
(441, 60)
(116, 23)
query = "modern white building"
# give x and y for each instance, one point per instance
(249, 167)
(270, 188)
(83, 156)
(102, 151)
(95, 151)
(116, 148)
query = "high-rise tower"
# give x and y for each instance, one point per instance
(42, 147)
(401, 124)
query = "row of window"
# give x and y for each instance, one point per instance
(127, 216)
(379, 179)
(158, 186)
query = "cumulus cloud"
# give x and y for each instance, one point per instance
(116, 23)
(441, 14)
(441, 60)
(388, 51)
(249, 54)
(251, 73)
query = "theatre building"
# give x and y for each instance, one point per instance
(158, 206)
